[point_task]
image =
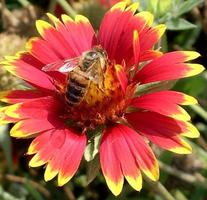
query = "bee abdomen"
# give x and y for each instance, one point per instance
(75, 91)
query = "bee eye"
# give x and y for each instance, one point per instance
(92, 54)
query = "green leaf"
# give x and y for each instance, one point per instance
(163, 7)
(7, 196)
(194, 86)
(154, 87)
(5, 143)
(152, 5)
(92, 147)
(167, 158)
(187, 6)
(199, 194)
(179, 24)
(93, 168)
(178, 194)
(143, 4)
(33, 192)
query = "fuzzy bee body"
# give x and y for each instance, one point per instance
(82, 70)
(76, 88)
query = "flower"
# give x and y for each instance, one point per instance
(128, 117)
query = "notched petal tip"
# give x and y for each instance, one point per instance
(16, 132)
(32, 149)
(115, 188)
(135, 183)
(161, 28)
(12, 111)
(189, 100)
(133, 7)
(62, 180)
(182, 115)
(192, 131)
(148, 17)
(66, 19)
(194, 69)
(50, 173)
(184, 148)
(29, 43)
(36, 161)
(191, 55)
(81, 18)
(53, 19)
(42, 26)
(153, 173)
(119, 6)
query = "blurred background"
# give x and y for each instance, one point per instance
(183, 177)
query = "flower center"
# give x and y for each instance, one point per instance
(93, 92)
(99, 105)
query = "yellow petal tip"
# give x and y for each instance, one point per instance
(115, 188)
(66, 19)
(62, 180)
(184, 148)
(148, 17)
(191, 55)
(135, 183)
(41, 26)
(81, 18)
(133, 7)
(49, 173)
(119, 6)
(194, 69)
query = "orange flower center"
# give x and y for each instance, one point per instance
(100, 104)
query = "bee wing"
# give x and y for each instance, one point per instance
(62, 66)
(95, 73)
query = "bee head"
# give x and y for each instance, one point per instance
(89, 57)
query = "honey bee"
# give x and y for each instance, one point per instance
(82, 71)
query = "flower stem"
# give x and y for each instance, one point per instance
(67, 7)
(160, 189)
(51, 7)
(200, 111)
(197, 179)
(24, 3)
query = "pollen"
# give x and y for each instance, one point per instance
(102, 103)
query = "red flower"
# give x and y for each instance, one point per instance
(60, 127)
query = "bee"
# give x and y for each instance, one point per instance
(82, 71)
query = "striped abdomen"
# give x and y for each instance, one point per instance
(76, 88)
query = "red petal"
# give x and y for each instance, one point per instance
(79, 34)
(55, 147)
(141, 152)
(124, 152)
(136, 48)
(110, 164)
(121, 74)
(40, 108)
(155, 126)
(19, 96)
(54, 38)
(29, 127)
(24, 70)
(170, 66)
(42, 50)
(116, 32)
(31, 60)
(165, 102)
(121, 150)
